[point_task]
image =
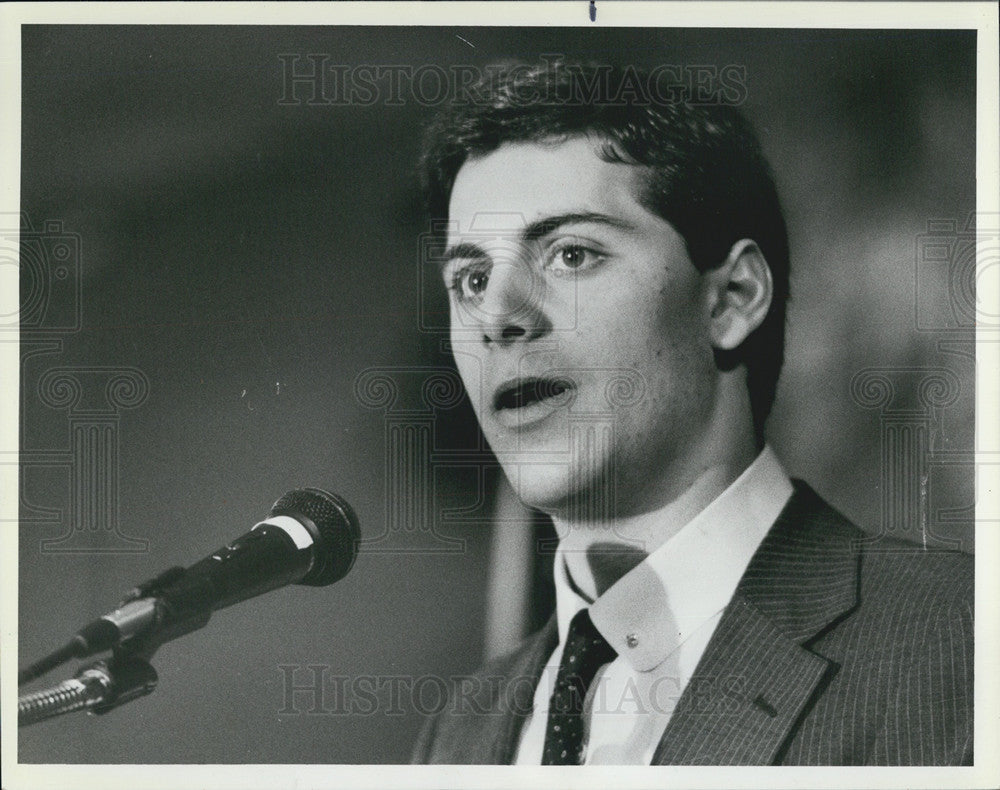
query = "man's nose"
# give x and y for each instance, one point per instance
(513, 305)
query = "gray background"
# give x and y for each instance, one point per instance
(229, 242)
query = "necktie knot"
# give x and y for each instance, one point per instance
(585, 652)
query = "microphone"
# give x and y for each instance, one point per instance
(310, 537)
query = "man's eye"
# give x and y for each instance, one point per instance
(469, 282)
(571, 257)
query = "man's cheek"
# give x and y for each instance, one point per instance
(471, 380)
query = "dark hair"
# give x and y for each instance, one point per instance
(707, 175)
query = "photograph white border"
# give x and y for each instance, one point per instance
(610, 13)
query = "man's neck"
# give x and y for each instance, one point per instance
(598, 554)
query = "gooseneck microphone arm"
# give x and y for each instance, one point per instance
(311, 537)
(97, 688)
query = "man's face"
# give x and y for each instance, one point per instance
(580, 329)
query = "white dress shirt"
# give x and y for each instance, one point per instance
(659, 617)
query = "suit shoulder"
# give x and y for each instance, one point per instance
(901, 689)
(890, 567)
(923, 580)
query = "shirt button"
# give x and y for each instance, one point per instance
(632, 640)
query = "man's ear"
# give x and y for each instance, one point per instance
(740, 295)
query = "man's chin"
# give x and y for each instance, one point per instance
(542, 487)
(554, 490)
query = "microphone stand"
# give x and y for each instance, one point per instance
(126, 675)
(97, 688)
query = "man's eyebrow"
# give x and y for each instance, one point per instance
(547, 225)
(463, 250)
(534, 231)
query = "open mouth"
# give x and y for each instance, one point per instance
(526, 392)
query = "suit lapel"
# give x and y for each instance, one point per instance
(504, 737)
(745, 696)
(757, 677)
(485, 726)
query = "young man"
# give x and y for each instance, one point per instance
(618, 272)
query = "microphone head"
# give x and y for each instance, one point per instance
(334, 527)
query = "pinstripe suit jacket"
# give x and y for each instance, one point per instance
(836, 649)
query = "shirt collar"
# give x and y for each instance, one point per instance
(659, 604)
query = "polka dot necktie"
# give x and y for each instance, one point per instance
(585, 652)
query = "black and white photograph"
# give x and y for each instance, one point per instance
(391, 388)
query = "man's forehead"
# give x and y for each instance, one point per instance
(497, 221)
(523, 183)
